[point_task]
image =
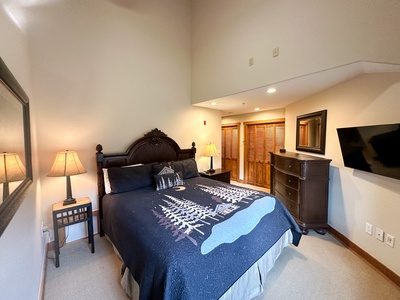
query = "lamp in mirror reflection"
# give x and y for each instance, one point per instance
(211, 150)
(67, 164)
(11, 169)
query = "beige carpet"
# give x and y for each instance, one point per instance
(320, 268)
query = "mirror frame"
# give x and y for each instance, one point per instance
(11, 204)
(321, 148)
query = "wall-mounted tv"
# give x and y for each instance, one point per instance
(374, 149)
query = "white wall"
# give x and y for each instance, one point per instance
(108, 74)
(311, 35)
(21, 244)
(101, 73)
(357, 197)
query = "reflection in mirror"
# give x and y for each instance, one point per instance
(11, 143)
(15, 150)
(11, 171)
(311, 132)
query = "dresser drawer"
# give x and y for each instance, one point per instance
(287, 165)
(288, 180)
(289, 193)
(291, 206)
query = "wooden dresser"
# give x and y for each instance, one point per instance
(301, 182)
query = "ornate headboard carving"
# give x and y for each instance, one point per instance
(154, 146)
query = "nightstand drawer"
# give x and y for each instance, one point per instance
(220, 175)
(224, 177)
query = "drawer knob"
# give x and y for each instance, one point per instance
(289, 193)
(290, 166)
(289, 181)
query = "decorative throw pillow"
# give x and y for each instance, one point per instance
(168, 180)
(188, 167)
(162, 168)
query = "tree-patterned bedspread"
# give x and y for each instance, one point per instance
(193, 241)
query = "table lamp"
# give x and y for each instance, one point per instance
(67, 163)
(211, 150)
(11, 169)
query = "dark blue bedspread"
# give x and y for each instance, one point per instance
(193, 242)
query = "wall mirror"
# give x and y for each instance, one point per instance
(311, 132)
(15, 146)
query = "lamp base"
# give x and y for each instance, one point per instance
(211, 171)
(69, 201)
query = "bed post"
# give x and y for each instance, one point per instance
(194, 149)
(100, 184)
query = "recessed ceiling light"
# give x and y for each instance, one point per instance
(271, 90)
(257, 109)
(214, 103)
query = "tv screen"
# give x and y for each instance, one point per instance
(374, 149)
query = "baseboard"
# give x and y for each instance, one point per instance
(43, 276)
(392, 276)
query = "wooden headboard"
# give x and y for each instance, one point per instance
(154, 146)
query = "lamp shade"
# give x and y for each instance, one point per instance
(211, 150)
(67, 163)
(11, 168)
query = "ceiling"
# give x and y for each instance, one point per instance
(292, 90)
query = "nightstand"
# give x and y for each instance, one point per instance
(219, 174)
(81, 211)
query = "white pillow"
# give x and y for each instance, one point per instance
(129, 166)
(107, 186)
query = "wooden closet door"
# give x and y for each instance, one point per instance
(230, 149)
(260, 140)
(256, 155)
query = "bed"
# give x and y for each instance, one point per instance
(182, 236)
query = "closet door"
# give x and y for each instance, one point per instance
(230, 149)
(260, 140)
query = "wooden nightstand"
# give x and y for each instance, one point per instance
(219, 174)
(81, 211)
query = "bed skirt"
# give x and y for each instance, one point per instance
(248, 286)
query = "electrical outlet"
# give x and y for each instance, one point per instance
(43, 229)
(379, 234)
(390, 240)
(368, 228)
